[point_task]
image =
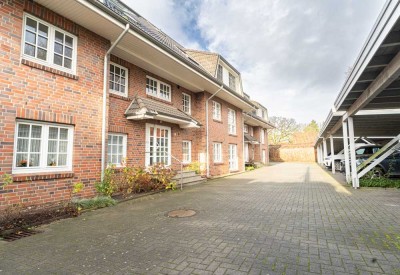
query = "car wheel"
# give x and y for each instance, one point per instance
(377, 173)
(338, 166)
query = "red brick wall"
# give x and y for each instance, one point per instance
(37, 94)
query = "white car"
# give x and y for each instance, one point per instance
(340, 156)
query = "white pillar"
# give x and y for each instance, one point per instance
(319, 154)
(346, 151)
(354, 176)
(332, 155)
(325, 151)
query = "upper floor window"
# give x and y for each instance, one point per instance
(48, 45)
(246, 128)
(262, 136)
(42, 147)
(116, 151)
(216, 108)
(186, 100)
(231, 121)
(158, 89)
(232, 82)
(118, 79)
(219, 73)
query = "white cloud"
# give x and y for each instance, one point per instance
(293, 55)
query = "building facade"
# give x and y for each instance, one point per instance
(63, 63)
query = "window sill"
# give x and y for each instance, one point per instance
(218, 121)
(218, 163)
(48, 69)
(42, 176)
(119, 96)
(233, 135)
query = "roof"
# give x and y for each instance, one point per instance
(268, 124)
(207, 60)
(148, 107)
(250, 139)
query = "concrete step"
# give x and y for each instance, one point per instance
(188, 179)
(185, 174)
(202, 180)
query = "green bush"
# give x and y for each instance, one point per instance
(194, 166)
(108, 186)
(94, 203)
(379, 182)
(250, 168)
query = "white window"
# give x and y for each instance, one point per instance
(219, 73)
(246, 128)
(262, 136)
(186, 101)
(48, 45)
(231, 122)
(216, 108)
(158, 144)
(251, 131)
(217, 152)
(186, 151)
(116, 153)
(158, 89)
(118, 81)
(42, 147)
(233, 159)
(232, 82)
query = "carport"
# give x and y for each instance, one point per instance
(368, 104)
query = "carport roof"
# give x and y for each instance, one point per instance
(371, 93)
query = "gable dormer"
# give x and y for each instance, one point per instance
(229, 76)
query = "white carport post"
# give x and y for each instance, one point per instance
(318, 155)
(325, 151)
(353, 164)
(320, 159)
(332, 155)
(346, 150)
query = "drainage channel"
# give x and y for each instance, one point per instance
(22, 233)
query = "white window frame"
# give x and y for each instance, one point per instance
(186, 98)
(124, 146)
(251, 131)
(125, 93)
(189, 154)
(246, 128)
(233, 157)
(231, 121)
(158, 92)
(49, 62)
(232, 81)
(147, 153)
(220, 72)
(262, 136)
(43, 167)
(216, 110)
(217, 152)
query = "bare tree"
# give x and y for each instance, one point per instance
(285, 127)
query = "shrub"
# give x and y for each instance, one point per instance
(379, 182)
(94, 203)
(108, 186)
(250, 168)
(161, 175)
(194, 166)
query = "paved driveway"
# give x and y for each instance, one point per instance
(281, 219)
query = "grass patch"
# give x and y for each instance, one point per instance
(380, 182)
(94, 203)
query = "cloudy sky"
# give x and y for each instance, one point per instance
(293, 55)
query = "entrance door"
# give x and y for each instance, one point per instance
(263, 156)
(246, 152)
(158, 144)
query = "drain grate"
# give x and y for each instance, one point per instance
(18, 235)
(181, 213)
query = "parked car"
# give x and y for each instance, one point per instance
(361, 148)
(390, 165)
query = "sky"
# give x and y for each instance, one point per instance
(293, 55)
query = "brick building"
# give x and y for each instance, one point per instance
(87, 83)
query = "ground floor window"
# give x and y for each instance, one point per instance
(233, 159)
(217, 152)
(42, 147)
(116, 153)
(186, 151)
(158, 144)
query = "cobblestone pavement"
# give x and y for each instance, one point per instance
(281, 219)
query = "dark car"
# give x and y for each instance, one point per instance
(390, 165)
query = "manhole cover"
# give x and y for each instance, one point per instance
(181, 213)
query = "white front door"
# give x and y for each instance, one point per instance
(233, 160)
(158, 144)
(263, 156)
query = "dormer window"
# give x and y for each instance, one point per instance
(232, 82)
(219, 73)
